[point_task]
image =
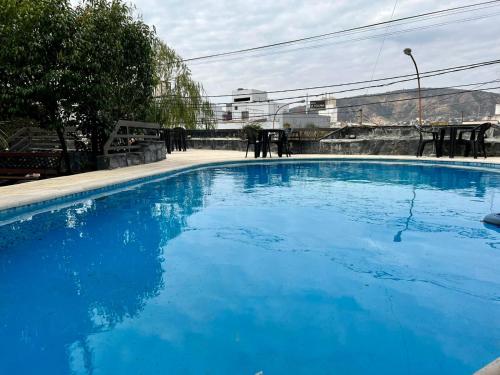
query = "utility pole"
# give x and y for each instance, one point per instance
(360, 116)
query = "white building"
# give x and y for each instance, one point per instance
(497, 112)
(330, 110)
(251, 106)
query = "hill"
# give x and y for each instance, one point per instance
(474, 105)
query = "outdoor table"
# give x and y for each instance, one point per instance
(452, 131)
(264, 137)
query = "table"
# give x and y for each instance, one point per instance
(452, 131)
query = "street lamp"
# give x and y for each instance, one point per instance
(284, 105)
(407, 51)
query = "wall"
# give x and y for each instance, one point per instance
(149, 153)
(365, 140)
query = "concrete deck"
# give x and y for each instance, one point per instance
(38, 191)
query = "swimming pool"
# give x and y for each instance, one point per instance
(314, 267)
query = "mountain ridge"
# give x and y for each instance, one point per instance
(441, 104)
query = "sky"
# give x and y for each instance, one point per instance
(200, 27)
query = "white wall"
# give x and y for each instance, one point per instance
(258, 109)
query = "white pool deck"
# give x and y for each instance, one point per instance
(38, 191)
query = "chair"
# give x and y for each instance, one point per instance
(286, 143)
(252, 137)
(179, 138)
(475, 141)
(423, 141)
(295, 136)
(166, 136)
(281, 140)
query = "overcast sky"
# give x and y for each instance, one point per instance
(199, 27)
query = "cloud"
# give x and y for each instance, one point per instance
(196, 27)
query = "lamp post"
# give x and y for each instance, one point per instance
(407, 51)
(284, 105)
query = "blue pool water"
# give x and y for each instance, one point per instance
(304, 268)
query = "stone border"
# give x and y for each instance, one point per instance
(18, 199)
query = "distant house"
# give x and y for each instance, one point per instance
(251, 106)
(330, 110)
(299, 119)
(497, 113)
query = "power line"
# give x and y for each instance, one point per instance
(382, 44)
(294, 41)
(397, 32)
(400, 100)
(423, 75)
(354, 108)
(357, 88)
(430, 73)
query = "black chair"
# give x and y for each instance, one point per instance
(286, 143)
(266, 138)
(475, 141)
(294, 135)
(179, 139)
(424, 141)
(281, 141)
(166, 136)
(252, 137)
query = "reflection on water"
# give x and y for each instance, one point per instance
(285, 268)
(398, 236)
(71, 273)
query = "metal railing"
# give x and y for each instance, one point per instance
(129, 136)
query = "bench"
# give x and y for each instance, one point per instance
(29, 165)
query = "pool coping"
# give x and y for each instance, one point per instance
(18, 199)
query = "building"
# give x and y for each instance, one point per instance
(250, 106)
(302, 120)
(497, 113)
(330, 110)
(298, 118)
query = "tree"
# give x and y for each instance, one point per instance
(114, 65)
(90, 66)
(35, 78)
(179, 99)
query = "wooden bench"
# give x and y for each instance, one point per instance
(29, 165)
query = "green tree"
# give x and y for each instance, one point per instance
(35, 75)
(179, 100)
(89, 66)
(114, 68)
